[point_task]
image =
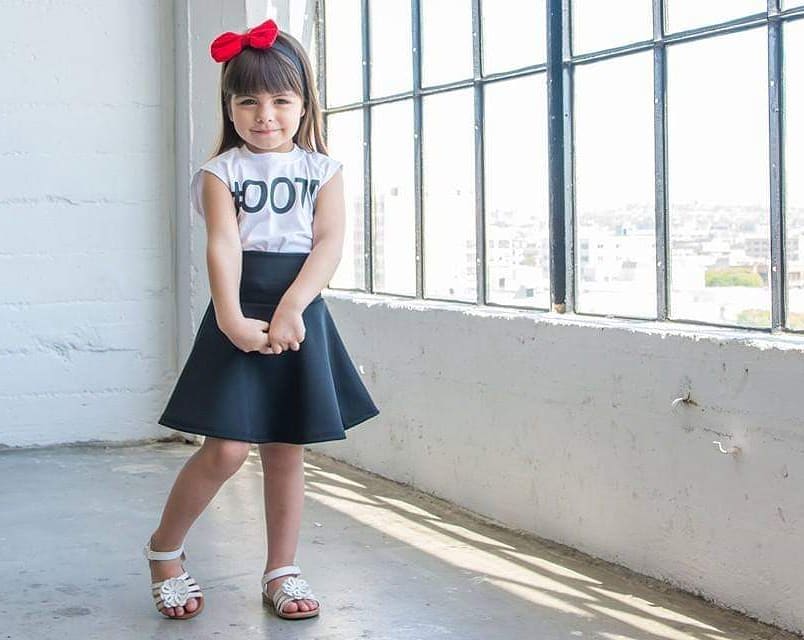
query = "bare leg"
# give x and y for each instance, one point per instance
(196, 484)
(283, 488)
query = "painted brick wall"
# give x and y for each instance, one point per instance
(87, 348)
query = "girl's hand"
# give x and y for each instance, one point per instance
(248, 334)
(286, 330)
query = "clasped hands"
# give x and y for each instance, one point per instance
(285, 332)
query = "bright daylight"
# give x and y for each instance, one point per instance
(402, 319)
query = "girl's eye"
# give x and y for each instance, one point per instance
(252, 101)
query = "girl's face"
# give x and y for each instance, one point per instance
(267, 122)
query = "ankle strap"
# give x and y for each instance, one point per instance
(287, 570)
(162, 555)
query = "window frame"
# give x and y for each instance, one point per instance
(559, 70)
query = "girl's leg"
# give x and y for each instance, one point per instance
(197, 483)
(283, 487)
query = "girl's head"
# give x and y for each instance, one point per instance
(268, 99)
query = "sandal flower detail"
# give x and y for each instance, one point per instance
(297, 588)
(176, 591)
(292, 588)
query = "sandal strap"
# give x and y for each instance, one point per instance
(155, 586)
(280, 599)
(192, 593)
(193, 590)
(294, 588)
(162, 555)
(290, 569)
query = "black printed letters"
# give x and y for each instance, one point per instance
(253, 195)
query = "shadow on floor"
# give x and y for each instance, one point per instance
(386, 561)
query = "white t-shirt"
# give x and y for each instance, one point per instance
(274, 194)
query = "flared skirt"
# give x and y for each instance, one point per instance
(300, 397)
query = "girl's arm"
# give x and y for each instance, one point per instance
(224, 251)
(328, 231)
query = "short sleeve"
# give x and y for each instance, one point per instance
(330, 169)
(196, 184)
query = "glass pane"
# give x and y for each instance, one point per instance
(345, 143)
(312, 53)
(393, 193)
(449, 196)
(718, 179)
(794, 169)
(689, 14)
(391, 62)
(446, 41)
(615, 196)
(789, 4)
(517, 239)
(514, 34)
(344, 46)
(301, 23)
(600, 25)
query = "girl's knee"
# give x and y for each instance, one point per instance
(225, 456)
(280, 453)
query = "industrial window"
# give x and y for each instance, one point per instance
(541, 154)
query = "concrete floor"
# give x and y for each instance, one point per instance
(387, 562)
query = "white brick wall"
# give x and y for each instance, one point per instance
(87, 347)
(563, 425)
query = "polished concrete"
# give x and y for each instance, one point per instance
(387, 562)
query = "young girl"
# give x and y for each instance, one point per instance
(267, 365)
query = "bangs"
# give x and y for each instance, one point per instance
(255, 71)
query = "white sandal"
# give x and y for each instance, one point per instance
(290, 589)
(174, 592)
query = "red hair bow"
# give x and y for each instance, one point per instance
(227, 45)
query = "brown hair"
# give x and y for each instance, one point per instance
(257, 70)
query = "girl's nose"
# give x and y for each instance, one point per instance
(265, 113)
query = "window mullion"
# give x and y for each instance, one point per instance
(660, 161)
(776, 273)
(559, 110)
(417, 143)
(480, 218)
(368, 226)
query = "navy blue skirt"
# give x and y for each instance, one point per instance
(298, 397)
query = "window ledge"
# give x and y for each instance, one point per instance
(754, 338)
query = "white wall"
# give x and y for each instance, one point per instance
(107, 108)
(563, 426)
(87, 343)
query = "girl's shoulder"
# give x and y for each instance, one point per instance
(239, 161)
(311, 156)
(222, 158)
(221, 166)
(325, 165)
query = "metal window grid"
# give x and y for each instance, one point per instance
(559, 70)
